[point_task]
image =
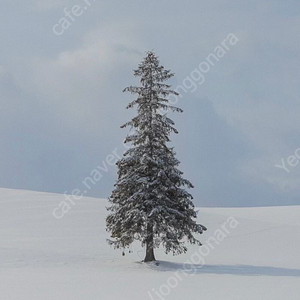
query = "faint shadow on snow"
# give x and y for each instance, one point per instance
(246, 270)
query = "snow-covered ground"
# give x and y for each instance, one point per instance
(249, 253)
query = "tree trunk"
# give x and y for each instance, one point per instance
(149, 245)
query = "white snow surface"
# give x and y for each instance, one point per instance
(43, 258)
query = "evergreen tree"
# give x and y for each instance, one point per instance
(149, 202)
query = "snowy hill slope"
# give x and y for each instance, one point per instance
(248, 253)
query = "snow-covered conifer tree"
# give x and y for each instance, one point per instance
(150, 202)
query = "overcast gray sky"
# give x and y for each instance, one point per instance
(61, 100)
